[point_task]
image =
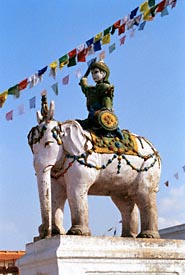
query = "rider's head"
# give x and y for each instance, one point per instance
(102, 67)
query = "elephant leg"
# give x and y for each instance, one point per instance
(78, 203)
(44, 188)
(129, 214)
(149, 217)
(59, 196)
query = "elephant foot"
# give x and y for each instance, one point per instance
(44, 232)
(149, 234)
(128, 235)
(79, 231)
(57, 231)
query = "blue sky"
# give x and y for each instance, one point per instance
(148, 75)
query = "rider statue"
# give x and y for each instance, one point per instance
(101, 117)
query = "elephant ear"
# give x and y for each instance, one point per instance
(74, 138)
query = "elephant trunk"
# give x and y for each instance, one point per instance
(44, 188)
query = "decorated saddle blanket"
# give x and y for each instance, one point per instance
(110, 145)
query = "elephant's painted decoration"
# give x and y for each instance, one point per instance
(69, 164)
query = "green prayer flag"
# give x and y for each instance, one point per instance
(63, 60)
(14, 90)
(151, 3)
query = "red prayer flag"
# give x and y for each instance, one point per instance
(81, 57)
(72, 53)
(161, 6)
(121, 29)
(23, 84)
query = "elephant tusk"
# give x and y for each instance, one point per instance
(45, 169)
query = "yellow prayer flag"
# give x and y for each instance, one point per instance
(53, 65)
(144, 7)
(97, 37)
(147, 16)
(3, 97)
(63, 64)
(106, 39)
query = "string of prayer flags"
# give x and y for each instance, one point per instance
(32, 102)
(3, 97)
(148, 9)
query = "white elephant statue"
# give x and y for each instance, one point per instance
(69, 164)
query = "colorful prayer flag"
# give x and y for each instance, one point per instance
(144, 6)
(65, 80)
(164, 12)
(81, 57)
(90, 50)
(91, 61)
(106, 31)
(176, 176)
(23, 84)
(72, 53)
(3, 97)
(14, 91)
(151, 3)
(72, 61)
(32, 102)
(132, 33)
(122, 40)
(97, 37)
(142, 25)
(9, 115)
(90, 42)
(161, 6)
(133, 13)
(137, 20)
(112, 48)
(97, 46)
(121, 29)
(53, 69)
(33, 80)
(42, 71)
(115, 26)
(106, 39)
(55, 88)
(63, 61)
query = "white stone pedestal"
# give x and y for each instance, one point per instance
(75, 255)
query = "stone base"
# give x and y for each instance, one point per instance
(75, 255)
